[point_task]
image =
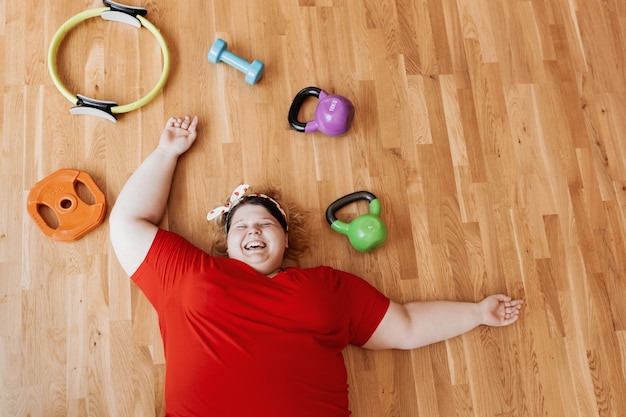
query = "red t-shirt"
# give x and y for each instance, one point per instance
(240, 344)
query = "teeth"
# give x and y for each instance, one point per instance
(254, 245)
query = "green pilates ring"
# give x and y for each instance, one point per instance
(133, 16)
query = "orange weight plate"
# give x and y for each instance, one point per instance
(75, 216)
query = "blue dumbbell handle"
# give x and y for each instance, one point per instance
(234, 60)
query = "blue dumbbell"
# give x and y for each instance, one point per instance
(253, 70)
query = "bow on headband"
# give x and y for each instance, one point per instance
(239, 195)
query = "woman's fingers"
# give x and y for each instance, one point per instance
(177, 122)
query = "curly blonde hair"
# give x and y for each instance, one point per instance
(296, 219)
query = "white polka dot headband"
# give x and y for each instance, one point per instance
(237, 196)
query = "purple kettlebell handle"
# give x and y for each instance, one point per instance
(296, 105)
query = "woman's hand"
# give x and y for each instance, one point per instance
(178, 135)
(500, 310)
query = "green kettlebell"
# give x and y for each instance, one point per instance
(367, 232)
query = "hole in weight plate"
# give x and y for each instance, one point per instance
(84, 194)
(49, 216)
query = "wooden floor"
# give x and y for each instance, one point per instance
(492, 131)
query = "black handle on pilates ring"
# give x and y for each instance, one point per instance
(130, 10)
(297, 104)
(344, 201)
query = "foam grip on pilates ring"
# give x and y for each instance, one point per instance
(333, 114)
(366, 232)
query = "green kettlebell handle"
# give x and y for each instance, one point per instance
(366, 232)
(331, 211)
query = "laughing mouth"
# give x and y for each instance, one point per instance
(254, 245)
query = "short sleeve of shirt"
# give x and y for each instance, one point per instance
(365, 306)
(168, 259)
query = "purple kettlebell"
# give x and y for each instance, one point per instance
(333, 115)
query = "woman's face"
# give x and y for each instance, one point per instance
(257, 238)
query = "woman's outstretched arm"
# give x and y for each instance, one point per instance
(417, 324)
(141, 203)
